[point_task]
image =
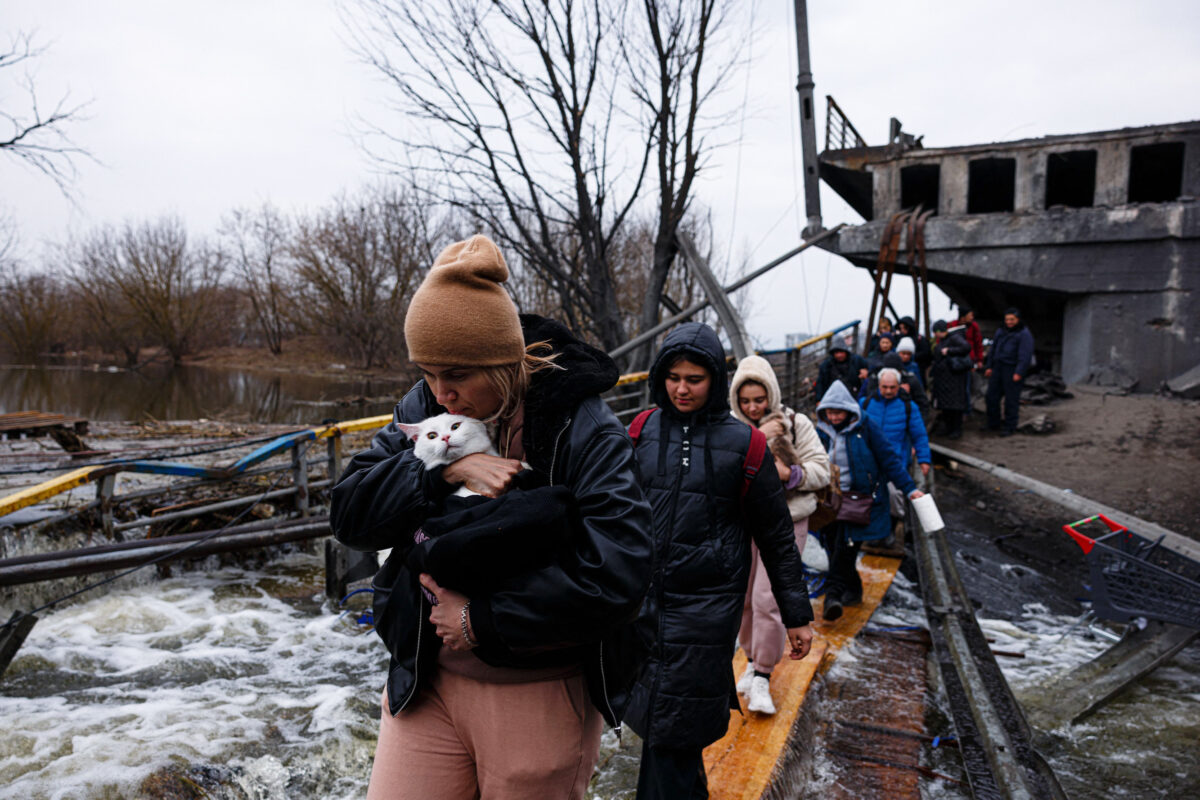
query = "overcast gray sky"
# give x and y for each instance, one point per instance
(198, 108)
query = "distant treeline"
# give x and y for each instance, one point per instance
(345, 273)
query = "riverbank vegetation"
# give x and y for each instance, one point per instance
(572, 135)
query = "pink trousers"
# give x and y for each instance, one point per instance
(464, 739)
(762, 636)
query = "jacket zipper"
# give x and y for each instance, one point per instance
(660, 590)
(554, 455)
(416, 659)
(604, 690)
(603, 679)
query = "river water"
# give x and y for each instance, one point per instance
(248, 683)
(191, 392)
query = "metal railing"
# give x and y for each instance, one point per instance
(294, 446)
(840, 134)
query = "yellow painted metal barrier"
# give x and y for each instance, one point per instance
(63, 483)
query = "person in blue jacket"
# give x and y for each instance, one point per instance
(1007, 364)
(900, 422)
(865, 463)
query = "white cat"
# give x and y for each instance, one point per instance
(445, 438)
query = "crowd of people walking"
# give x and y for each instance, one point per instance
(572, 572)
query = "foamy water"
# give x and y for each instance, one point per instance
(246, 671)
(251, 680)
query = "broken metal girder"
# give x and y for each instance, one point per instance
(739, 340)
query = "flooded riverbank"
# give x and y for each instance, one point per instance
(193, 392)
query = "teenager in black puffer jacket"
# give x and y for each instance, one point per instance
(690, 456)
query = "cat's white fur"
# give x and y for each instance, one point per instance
(445, 438)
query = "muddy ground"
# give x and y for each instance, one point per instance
(1137, 453)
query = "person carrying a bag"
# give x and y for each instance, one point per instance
(800, 460)
(864, 463)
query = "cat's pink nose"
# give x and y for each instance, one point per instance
(446, 438)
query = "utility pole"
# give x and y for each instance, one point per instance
(808, 125)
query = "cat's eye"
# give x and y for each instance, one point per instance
(431, 435)
(454, 427)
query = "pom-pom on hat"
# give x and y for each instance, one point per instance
(461, 315)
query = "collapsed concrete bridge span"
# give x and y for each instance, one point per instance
(1095, 236)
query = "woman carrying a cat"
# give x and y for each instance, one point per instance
(755, 399)
(500, 691)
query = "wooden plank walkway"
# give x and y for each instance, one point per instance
(743, 763)
(37, 423)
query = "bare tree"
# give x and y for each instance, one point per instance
(357, 265)
(674, 76)
(31, 311)
(147, 284)
(542, 126)
(258, 242)
(37, 136)
(520, 107)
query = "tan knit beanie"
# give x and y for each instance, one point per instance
(460, 315)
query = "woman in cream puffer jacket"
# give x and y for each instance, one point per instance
(755, 399)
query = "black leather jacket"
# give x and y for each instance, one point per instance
(692, 471)
(573, 610)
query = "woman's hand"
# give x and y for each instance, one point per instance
(772, 429)
(916, 495)
(446, 616)
(800, 640)
(785, 472)
(491, 476)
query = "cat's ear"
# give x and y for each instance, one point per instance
(411, 431)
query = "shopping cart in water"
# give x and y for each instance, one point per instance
(1132, 576)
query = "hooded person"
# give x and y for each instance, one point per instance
(548, 649)
(884, 347)
(864, 462)
(841, 365)
(709, 505)
(755, 399)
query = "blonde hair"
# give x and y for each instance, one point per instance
(511, 381)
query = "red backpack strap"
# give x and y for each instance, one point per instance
(635, 427)
(754, 457)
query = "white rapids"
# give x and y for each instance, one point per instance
(247, 675)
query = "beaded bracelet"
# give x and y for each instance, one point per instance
(462, 620)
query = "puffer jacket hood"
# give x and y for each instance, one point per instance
(586, 370)
(757, 369)
(700, 345)
(839, 397)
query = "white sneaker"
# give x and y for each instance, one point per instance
(743, 684)
(760, 696)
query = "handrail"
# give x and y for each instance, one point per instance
(63, 483)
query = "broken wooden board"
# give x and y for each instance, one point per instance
(745, 761)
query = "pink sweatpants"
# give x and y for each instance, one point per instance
(762, 636)
(464, 739)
